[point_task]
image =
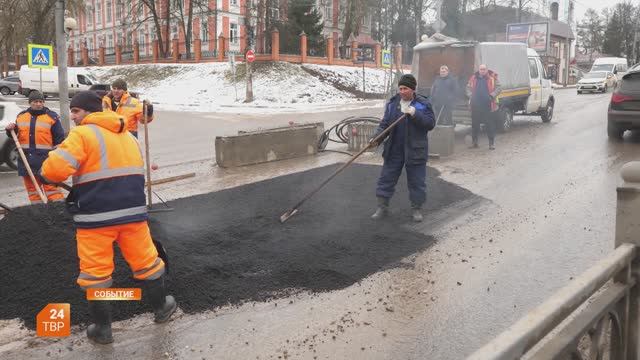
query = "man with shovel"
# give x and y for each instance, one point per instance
(108, 205)
(122, 102)
(406, 147)
(39, 131)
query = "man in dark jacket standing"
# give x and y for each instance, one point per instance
(406, 147)
(444, 93)
(483, 90)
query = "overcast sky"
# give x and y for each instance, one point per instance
(583, 5)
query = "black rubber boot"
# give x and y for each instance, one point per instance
(100, 330)
(416, 213)
(163, 305)
(383, 209)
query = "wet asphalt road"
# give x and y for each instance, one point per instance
(548, 214)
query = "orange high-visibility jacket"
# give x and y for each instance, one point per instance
(108, 172)
(39, 131)
(129, 107)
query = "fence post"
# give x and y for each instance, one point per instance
(378, 55)
(197, 49)
(330, 50)
(398, 55)
(176, 49)
(628, 231)
(303, 47)
(101, 56)
(155, 51)
(16, 61)
(118, 54)
(275, 45)
(85, 56)
(71, 61)
(221, 49)
(354, 51)
(136, 52)
(55, 58)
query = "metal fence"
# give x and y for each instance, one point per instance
(597, 315)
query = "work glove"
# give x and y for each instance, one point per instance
(149, 110)
(408, 109)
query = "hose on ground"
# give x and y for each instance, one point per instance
(339, 133)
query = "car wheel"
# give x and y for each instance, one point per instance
(579, 92)
(5, 91)
(11, 155)
(606, 88)
(505, 119)
(547, 113)
(614, 131)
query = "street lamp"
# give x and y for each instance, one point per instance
(64, 25)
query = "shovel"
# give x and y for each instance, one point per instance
(284, 217)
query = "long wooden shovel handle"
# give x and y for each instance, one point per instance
(26, 165)
(146, 150)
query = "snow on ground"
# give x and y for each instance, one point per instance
(280, 86)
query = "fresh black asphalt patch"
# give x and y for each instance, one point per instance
(228, 247)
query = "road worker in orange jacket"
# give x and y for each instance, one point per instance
(124, 104)
(39, 130)
(108, 205)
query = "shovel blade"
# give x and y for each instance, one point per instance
(284, 217)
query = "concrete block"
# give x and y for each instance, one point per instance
(442, 140)
(255, 147)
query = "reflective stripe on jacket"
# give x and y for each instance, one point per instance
(38, 132)
(107, 168)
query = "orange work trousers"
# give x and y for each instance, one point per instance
(95, 250)
(53, 193)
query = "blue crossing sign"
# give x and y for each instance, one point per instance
(386, 58)
(40, 56)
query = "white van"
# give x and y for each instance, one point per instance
(79, 79)
(616, 65)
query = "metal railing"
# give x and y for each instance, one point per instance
(596, 316)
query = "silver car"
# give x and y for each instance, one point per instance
(597, 81)
(8, 152)
(9, 85)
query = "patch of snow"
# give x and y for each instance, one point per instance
(279, 87)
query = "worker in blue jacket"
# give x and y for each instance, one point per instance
(406, 146)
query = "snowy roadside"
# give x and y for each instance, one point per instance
(277, 87)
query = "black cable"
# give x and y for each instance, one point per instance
(340, 131)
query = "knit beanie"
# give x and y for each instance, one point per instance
(119, 84)
(35, 95)
(409, 81)
(87, 100)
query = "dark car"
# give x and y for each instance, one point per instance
(9, 85)
(624, 108)
(100, 89)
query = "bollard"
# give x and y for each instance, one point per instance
(628, 231)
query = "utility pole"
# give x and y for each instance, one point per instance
(63, 81)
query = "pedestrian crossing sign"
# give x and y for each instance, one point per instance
(40, 56)
(386, 58)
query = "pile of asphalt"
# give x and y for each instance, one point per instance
(227, 247)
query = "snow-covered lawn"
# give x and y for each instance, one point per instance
(278, 86)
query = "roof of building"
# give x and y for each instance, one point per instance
(494, 19)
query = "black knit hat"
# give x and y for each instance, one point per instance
(35, 95)
(119, 84)
(87, 100)
(409, 81)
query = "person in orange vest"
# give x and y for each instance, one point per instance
(124, 104)
(39, 131)
(108, 205)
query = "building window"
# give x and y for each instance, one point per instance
(174, 31)
(89, 16)
(205, 29)
(141, 38)
(119, 6)
(109, 11)
(274, 11)
(98, 13)
(233, 2)
(233, 33)
(110, 42)
(328, 10)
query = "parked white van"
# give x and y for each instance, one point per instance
(79, 79)
(616, 65)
